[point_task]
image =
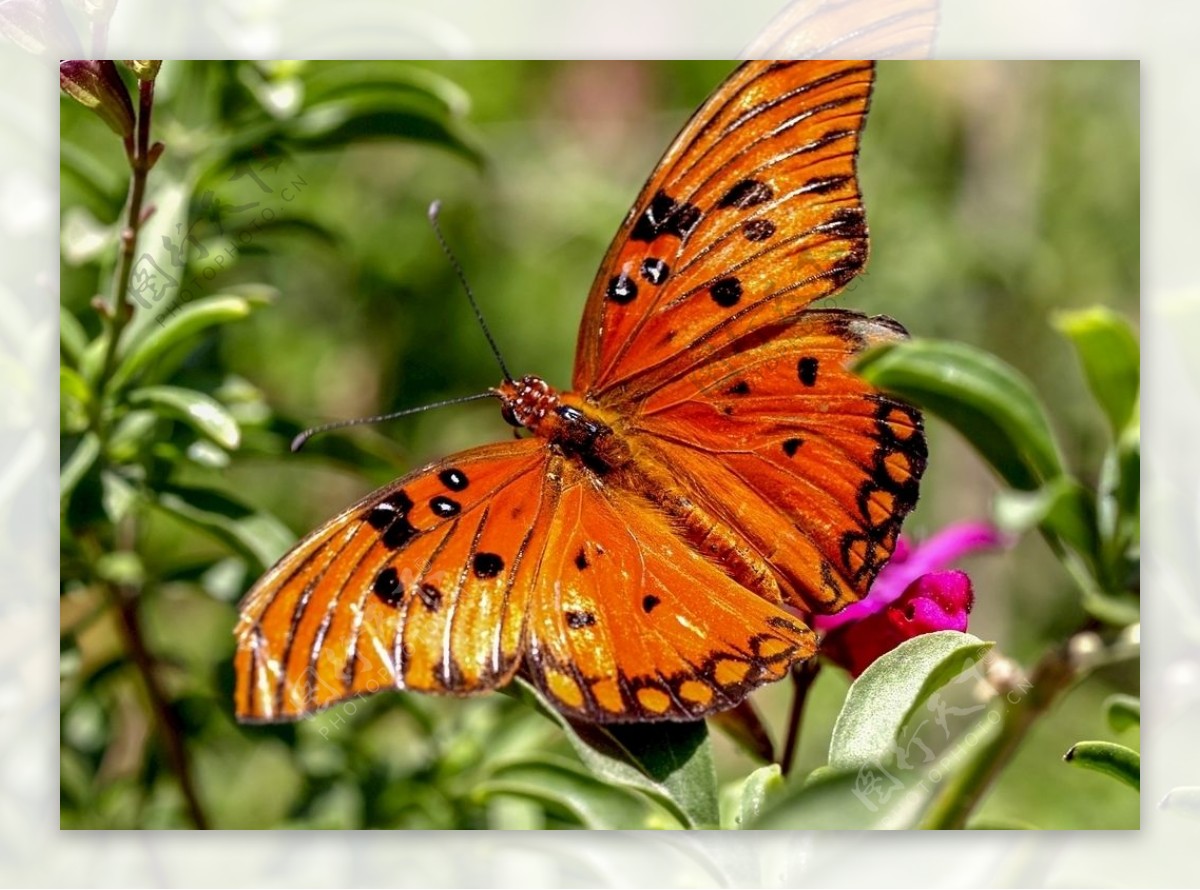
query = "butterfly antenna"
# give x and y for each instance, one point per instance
(298, 442)
(434, 209)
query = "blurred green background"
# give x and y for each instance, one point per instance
(996, 194)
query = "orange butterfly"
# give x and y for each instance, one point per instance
(716, 474)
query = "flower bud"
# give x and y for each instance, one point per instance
(97, 85)
(144, 69)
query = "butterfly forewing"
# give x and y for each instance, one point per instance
(421, 586)
(753, 213)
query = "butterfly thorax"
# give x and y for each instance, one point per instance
(566, 420)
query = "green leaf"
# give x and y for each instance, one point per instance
(119, 498)
(1124, 711)
(987, 401)
(77, 465)
(1109, 758)
(258, 537)
(751, 796)
(672, 762)
(130, 435)
(74, 400)
(72, 338)
(158, 274)
(1108, 350)
(887, 693)
(1062, 507)
(335, 125)
(354, 79)
(178, 328)
(202, 412)
(874, 796)
(556, 783)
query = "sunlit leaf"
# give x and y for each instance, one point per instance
(886, 694)
(200, 411)
(748, 798)
(257, 536)
(179, 328)
(672, 762)
(1109, 758)
(77, 465)
(988, 401)
(1124, 711)
(1108, 350)
(1062, 507)
(560, 784)
(72, 338)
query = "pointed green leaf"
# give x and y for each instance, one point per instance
(887, 693)
(258, 537)
(159, 270)
(326, 82)
(988, 401)
(1124, 711)
(72, 338)
(119, 497)
(1108, 350)
(76, 466)
(176, 329)
(200, 411)
(672, 762)
(556, 783)
(74, 400)
(874, 796)
(1062, 507)
(1112, 759)
(752, 794)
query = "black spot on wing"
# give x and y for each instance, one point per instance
(806, 370)
(487, 565)
(622, 289)
(747, 193)
(655, 270)
(454, 479)
(726, 292)
(388, 587)
(665, 216)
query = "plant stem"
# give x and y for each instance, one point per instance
(803, 676)
(1051, 677)
(137, 150)
(168, 722)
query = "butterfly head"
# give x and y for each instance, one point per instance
(528, 402)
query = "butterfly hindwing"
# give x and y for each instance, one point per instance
(628, 621)
(419, 586)
(753, 213)
(813, 466)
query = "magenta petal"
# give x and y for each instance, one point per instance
(937, 601)
(912, 562)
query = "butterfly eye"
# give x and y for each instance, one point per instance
(506, 412)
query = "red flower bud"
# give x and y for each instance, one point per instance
(97, 85)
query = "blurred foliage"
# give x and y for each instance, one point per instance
(290, 212)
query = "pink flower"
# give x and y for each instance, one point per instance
(912, 595)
